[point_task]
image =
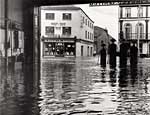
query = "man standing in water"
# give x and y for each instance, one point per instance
(123, 53)
(133, 55)
(112, 51)
(103, 55)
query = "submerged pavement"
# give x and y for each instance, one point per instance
(75, 86)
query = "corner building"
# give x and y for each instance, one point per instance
(66, 31)
(134, 22)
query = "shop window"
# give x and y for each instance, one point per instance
(66, 30)
(66, 16)
(49, 49)
(50, 16)
(49, 30)
(69, 49)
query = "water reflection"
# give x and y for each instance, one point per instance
(113, 80)
(74, 86)
(16, 89)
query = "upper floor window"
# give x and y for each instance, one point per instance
(86, 21)
(66, 30)
(49, 30)
(88, 35)
(128, 12)
(140, 12)
(50, 16)
(66, 16)
(85, 34)
(83, 20)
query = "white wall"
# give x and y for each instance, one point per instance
(86, 28)
(73, 23)
(85, 51)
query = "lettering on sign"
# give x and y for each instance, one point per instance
(58, 24)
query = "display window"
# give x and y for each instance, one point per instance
(49, 49)
(70, 49)
(59, 49)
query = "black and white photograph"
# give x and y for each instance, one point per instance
(74, 57)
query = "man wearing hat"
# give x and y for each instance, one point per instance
(123, 53)
(103, 55)
(133, 54)
(112, 51)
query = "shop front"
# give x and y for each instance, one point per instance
(58, 48)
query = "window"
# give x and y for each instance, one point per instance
(85, 34)
(140, 30)
(66, 16)
(128, 31)
(128, 12)
(66, 31)
(50, 16)
(86, 21)
(83, 20)
(49, 30)
(88, 35)
(140, 12)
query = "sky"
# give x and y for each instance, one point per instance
(103, 16)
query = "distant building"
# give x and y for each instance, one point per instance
(135, 25)
(66, 31)
(100, 35)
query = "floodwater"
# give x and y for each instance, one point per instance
(75, 86)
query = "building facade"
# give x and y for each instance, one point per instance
(101, 36)
(66, 31)
(134, 22)
(11, 29)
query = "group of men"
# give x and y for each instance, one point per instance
(125, 50)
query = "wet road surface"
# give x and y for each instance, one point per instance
(75, 86)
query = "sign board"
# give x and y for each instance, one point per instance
(121, 2)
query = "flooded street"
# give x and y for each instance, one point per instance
(75, 86)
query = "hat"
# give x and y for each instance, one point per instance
(103, 45)
(112, 40)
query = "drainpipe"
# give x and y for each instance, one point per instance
(138, 38)
(6, 32)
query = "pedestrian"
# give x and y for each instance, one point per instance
(133, 54)
(112, 51)
(123, 53)
(103, 55)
